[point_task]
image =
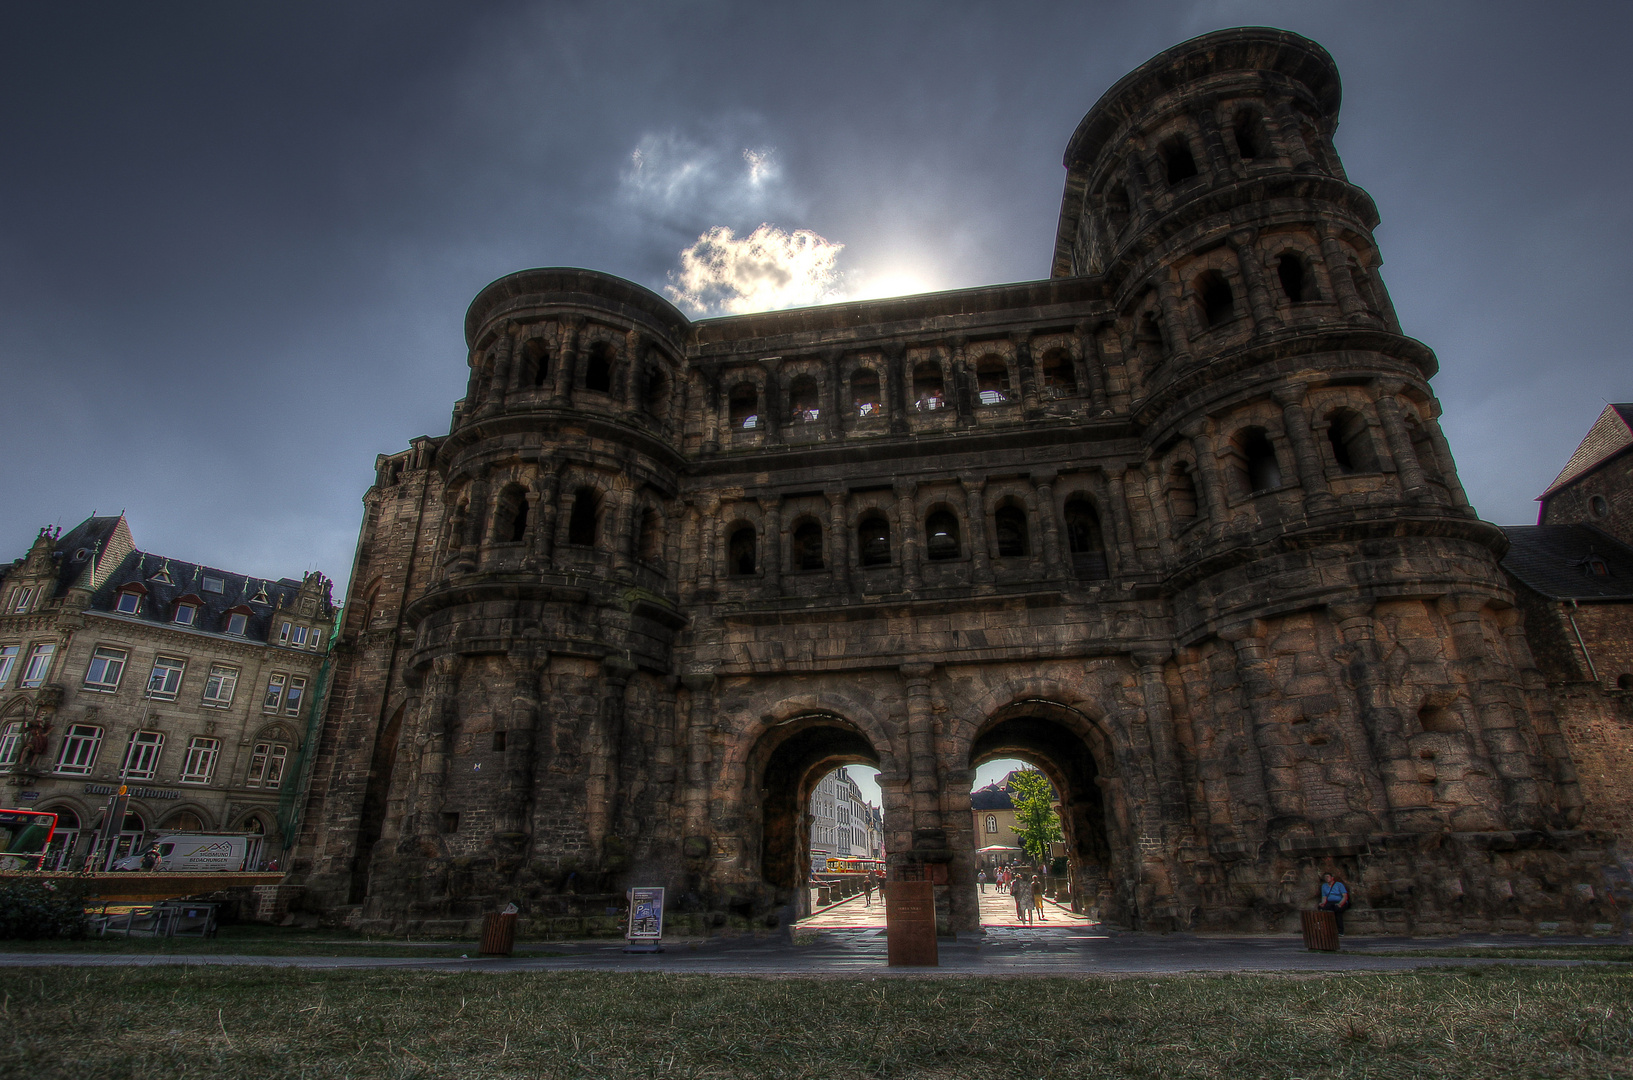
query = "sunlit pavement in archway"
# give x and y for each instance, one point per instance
(851, 914)
(998, 910)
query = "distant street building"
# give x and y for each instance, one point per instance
(196, 687)
(843, 824)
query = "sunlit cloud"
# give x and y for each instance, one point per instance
(682, 178)
(769, 269)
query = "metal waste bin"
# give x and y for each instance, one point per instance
(498, 934)
(1320, 931)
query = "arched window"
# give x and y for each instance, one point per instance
(649, 538)
(740, 551)
(992, 823)
(598, 368)
(928, 388)
(535, 364)
(182, 821)
(808, 545)
(1085, 540)
(1009, 522)
(992, 380)
(804, 400)
(510, 516)
(1059, 377)
(1249, 135)
(873, 540)
(1149, 346)
(1352, 449)
(1624, 682)
(1217, 298)
(865, 392)
(1181, 494)
(941, 535)
(1177, 159)
(745, 407)
(1257, 469)
(581, 523)
(1296, 281)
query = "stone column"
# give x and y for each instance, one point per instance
(1567, 788)
(836, 404)
(1091, 376)
(1448, 467)
(1159, 719)
(634, 346)
(975, 508)
(1158, 498)
(542, 519)
(1026, 369)
(1407, 469)
(1402, 802)
(1311, 476)
(504, 350)
(1049, 519)
(1481, 677)
(1220, 161)
(561, 388)
(908, 522)
(1273, 744)
(711, 405)
(431, 737)
(605, 787)
(921, 743)
(771, 401)
(516, 787)
(1117, 503)
(963, 392)
(1287, 133)
(896, 386)
(1207, 467)
(700, 722)
(708, 527)
(1259, 301)
(1350, 304)
(1170, 298)
(839, 547)
(771, 518)
(622, 497)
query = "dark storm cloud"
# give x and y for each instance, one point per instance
(237, 241)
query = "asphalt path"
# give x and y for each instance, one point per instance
(1000, 951)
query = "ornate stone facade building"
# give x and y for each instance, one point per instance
(1177, 524)
(196, 687)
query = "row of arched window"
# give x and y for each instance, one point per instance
(864, 394)
(943, 540)
(600, 370)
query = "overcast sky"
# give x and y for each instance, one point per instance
(237, 240)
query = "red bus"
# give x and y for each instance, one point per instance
(24, 836)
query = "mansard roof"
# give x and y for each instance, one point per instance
(1562, 562)
(166, 581)
(1610, 436)
(992, 797)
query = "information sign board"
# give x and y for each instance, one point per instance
(645, 918)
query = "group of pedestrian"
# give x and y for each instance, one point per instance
(1024, 886)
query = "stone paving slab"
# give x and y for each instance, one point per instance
(999, 952)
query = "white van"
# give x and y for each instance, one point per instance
(194, 851)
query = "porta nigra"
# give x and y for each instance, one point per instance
(1178, 524)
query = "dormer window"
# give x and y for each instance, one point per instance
(214, 584)
(186, 614)
(238, 621)
(129, 602)
(23, 599)
(163, 575)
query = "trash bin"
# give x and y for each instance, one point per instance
(498, 934)
(1320, 931)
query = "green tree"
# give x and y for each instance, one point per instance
(1039, 824)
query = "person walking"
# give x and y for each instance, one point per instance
(1037, 896)
(1334, 898)
(867, 890)
(1023, 900)
(981, 879)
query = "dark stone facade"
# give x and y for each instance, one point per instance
(1177, 524)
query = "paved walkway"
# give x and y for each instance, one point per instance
(1000, 951)
(997, 910)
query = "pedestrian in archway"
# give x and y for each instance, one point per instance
(1037, 896)
(867, 890)
(1334, 898)
(1023, 899)
(981, 879)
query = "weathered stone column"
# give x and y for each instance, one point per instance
(542, 513)
(1407, 469)
(896, 385)
(1567, 788)
(1350, 304)
(699, 761)
(707, 527)
(1259, 301)
(771, 517)
(1217, 510)
(1121, 523)
(1022, 343)
(634, 345)
(839, 548)
(1448, 467)
(1273, 744)
(436, 714)
(834, 421)
(1296, 421)
(907, 518)
(921, 742)
(1091, 381)
(604, 797)
(504, 350)
(963, 399)
(1174, 320)
(771, 401)
(711, 404)
(1286, 132)
(1159, 720)
(1480, 675)
(1403, 803)
(514, 810)
(1054, 565)
(561, 388)
(975, 503)
(1221, 162)
(1157, 498)
(623, 525)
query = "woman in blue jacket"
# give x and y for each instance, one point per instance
(1334, 898)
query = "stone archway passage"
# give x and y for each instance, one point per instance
(787, 764)
(1061, 743)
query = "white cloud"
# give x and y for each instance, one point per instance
(766, 270)
(680, 178)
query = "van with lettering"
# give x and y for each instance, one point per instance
(188, 852)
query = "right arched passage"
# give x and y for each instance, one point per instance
(1059, 742)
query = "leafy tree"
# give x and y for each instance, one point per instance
(1039, 824)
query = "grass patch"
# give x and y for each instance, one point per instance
(1620, 954)
(251, 939)
(148, 1023)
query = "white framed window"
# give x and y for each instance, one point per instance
(200, 761)
(142, 755)
(79, 746)
(214, 584)
(237, 623)
(11, 743)
(186, 614)
(992, 823)
(166, 678)
(283, 633)
(219, 687)
(8, 660)
(102, 673)
(39, 663)
(292, 699)
(129, 602)
(23, 599)
(275, 691)
(297, 637)
(266, 765)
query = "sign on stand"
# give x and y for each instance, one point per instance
(910, 924)
(645, 921)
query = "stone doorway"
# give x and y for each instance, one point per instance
(1068, 748)
(789, 761)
